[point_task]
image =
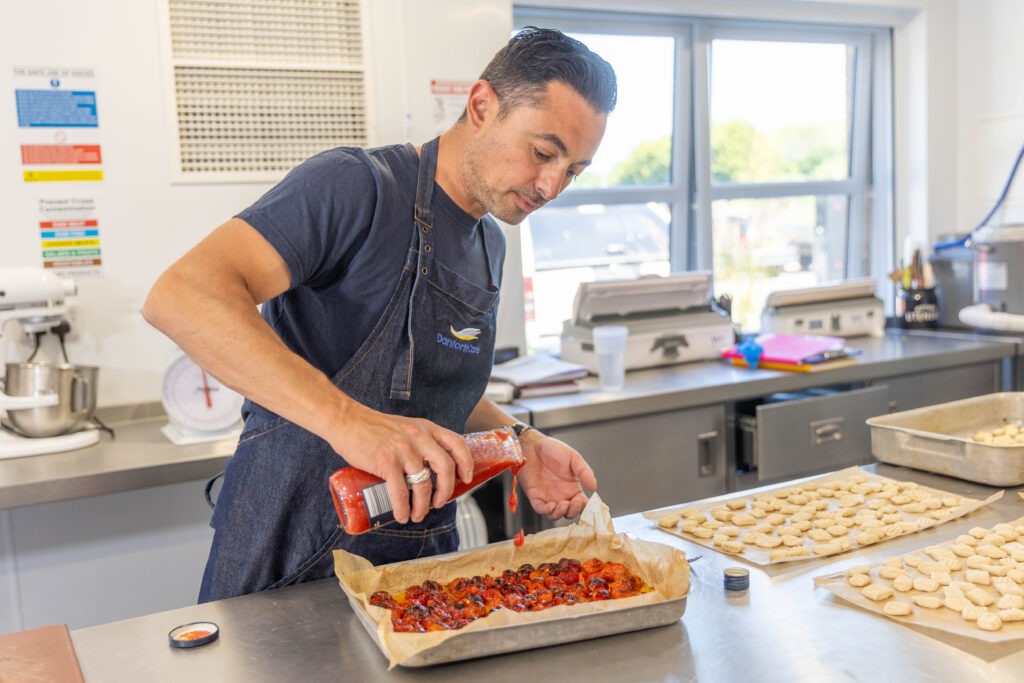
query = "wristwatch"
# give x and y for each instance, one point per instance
(520, 427)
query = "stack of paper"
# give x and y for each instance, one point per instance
(532, 376)
(797, 353)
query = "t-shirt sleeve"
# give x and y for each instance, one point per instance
(317, 215)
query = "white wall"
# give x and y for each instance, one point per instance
(145, 221)
(990, 108)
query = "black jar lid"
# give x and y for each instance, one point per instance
(193, 635)
(736, 578)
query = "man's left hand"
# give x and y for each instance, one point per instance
(554, 476)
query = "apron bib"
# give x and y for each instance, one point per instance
(429, 355)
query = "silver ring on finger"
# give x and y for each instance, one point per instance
(418, 478)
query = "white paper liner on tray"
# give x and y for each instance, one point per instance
(942, 618)
(852, 475)
(663, 567)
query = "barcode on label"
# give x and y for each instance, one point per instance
(378, 504)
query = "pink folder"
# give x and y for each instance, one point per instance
(791, 348)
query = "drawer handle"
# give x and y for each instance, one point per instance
(827, 431)
(706, 458)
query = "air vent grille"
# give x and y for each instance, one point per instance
(261, 86)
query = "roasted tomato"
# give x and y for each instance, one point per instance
(431, 606)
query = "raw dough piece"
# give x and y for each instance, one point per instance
(866, 538)
(1012, 614)
(877, 592)
(990, 622)
(736, 504)
(903, 583)
(927, 601)
(971, 612)
(731, 546)
(980, 597)
(926, 584)
(891, 572)
(963, 550)
(897, 608)
(743, 519)
(828, 549)
(953, 598)
(978, 576)
(859, 580)
(912, 560)
(1010, 602)
(993, 551)
(668, 521)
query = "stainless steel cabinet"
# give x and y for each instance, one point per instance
(815, 434)
(654, 460)
(940, 386)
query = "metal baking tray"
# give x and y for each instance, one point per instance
(516, 637)
(940, 439)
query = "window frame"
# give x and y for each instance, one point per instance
(690, 192)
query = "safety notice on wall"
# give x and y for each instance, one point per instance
(61, 162)
(449, 101)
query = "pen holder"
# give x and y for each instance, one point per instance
(917, 308)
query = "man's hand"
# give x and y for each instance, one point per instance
(393, 447)
(554, 475)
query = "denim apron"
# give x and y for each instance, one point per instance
(428, 356)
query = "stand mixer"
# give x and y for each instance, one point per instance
(35, 299)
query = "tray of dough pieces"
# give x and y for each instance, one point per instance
(820, 517)
(979, 439)
(971, 586)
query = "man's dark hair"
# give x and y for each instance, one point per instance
(521, 71)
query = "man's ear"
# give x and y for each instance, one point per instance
(482, 103)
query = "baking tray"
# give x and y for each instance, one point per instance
(513, 638)
(939, 439)
(941, 619)
(663, 566)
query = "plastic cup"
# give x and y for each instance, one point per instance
(610, 347)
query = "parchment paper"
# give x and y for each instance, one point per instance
(942, 619)
(663, 567)
(762, 556)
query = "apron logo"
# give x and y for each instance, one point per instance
(461, 339)
(465, 334)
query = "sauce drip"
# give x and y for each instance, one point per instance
(513, 504)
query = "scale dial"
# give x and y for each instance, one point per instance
(197, 402)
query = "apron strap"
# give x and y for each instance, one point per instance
(423, 223)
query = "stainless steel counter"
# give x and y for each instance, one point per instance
(782, 629)
(140, 456)
(697, 384)
(137, 457)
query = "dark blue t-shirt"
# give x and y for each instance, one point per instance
(343, 222)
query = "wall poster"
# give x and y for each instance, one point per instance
(61, 162)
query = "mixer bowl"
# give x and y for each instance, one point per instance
(75, 386)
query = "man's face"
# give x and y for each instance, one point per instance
(516, 164)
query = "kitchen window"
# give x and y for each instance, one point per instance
(758, 150)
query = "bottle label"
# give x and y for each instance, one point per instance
(378, 504)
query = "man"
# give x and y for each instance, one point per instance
(369, 263)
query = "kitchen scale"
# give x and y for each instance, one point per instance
(199, 408)
(838, 309)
